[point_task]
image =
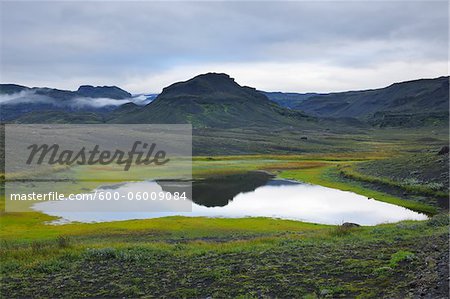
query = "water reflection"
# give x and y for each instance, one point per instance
(251, 195)
(218, 191)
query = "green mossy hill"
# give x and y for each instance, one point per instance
(217, 101)
(411, 103)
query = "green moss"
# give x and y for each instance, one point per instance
(400, 256)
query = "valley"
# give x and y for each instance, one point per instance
(224, 149)
(238, 131)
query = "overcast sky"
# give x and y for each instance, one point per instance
(274, 46)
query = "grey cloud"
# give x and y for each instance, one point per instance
(112, 41)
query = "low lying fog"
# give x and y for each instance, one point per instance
(29, 96)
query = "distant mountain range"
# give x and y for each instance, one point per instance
(18, 101)
(411, 103)
(288, 99)
(215, 100)
(112, 92)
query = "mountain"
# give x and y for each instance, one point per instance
(18, 100)
(88, 91)
(288, 99)
(12, 88)
(110, 92)
(52, 116)
(60, 117)
(411, 103)
(213, 100)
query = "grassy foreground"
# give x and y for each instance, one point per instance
(250, 258)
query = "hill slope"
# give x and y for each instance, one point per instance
(288, 99)
(412, 102)
(18, 101)
(213, 100)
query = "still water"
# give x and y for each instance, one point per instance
(254, 194)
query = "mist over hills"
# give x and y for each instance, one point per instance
(18, 101)
(112, 92)
(215, 100)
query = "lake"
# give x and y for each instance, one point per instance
(254, 194)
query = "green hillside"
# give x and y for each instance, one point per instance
(411, 103)
(214, 101)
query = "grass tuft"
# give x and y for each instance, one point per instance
(63, 241)
(342, 231)
(400, 256)
(442, 219)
